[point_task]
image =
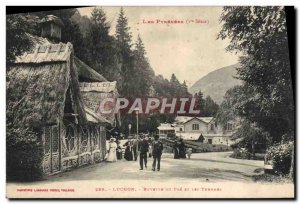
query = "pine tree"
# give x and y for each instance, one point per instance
(199, 102)
(123, 42)
(210, 108)
(102, 54)
(176, 86)
(143, 71)
(123, 34)
(185, 92)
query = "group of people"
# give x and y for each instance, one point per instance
(180, 150)
(143, 147)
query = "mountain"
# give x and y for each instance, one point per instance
(216, 83)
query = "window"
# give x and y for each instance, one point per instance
(195, 127)
(83, 134)
(70, 138)
(212, 127)
(180, 129)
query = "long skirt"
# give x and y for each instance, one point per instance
(128, 154)
(112, 157)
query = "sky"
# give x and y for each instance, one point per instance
(189, 50)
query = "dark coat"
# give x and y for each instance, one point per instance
(143, 146)
(119, 152)
(176, 151)
(182, 147)
(128, 153)
(157, 148)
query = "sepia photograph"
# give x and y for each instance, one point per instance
(150, 102)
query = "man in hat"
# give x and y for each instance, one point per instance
(157, 147)
(143, 147)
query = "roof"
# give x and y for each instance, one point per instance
(54, 53)
(188, 136)
(47, 53)
(52, 18)
(166, 126)
(185, 119)
(86, 73)
(37, 84)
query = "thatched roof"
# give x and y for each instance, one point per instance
(37, 84)
(86, 73)
(47, 53)
(94, 93)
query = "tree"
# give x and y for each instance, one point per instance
(17, 39)
(201, 138)
(176, 86)
(199, 102)
(142, 69)
(185, 92)
(210, 108)
(102, 54)
(259, 33)
(123, 42)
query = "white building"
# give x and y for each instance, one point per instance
(191, 128)
(166, 128)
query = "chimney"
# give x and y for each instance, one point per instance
(51, 28)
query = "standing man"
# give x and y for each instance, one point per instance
(135, 148)
(143, 148)
(156, 152)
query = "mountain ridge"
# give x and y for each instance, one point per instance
(216, 83)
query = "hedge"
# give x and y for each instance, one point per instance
(24, 153)
(281, 155)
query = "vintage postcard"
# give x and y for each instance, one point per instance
(149, 103)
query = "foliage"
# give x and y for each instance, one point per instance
(101, 55)
(113, 56)
(207, 106)
(240, 154)
(24, 154)
(17, 41)
(281, 155)
(126, 84)
(251, 137)
(259, 34)
(142, 69)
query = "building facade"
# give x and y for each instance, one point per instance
(201, 129)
